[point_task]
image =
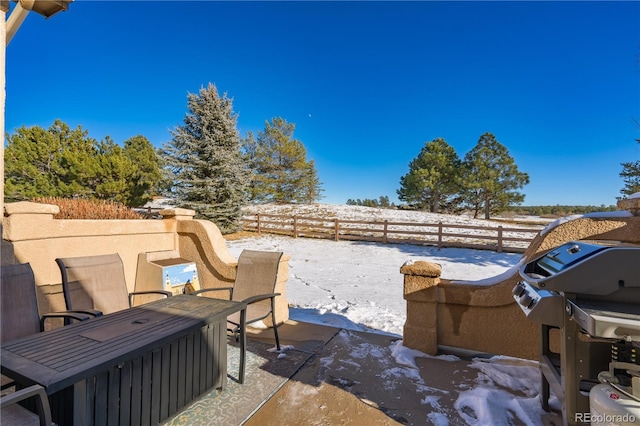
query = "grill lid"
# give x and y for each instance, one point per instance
(566, 256)
(585, 268)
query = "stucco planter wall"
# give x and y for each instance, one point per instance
(484, 317)
(31, 234)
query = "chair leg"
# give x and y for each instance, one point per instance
(275, 332)
(275, 324)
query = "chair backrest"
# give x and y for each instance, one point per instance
(94, 282)
(257, 274)
(19, 314)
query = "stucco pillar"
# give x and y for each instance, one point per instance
(421, 281)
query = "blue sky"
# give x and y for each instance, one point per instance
(366, 83)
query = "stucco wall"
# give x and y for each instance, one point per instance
(31, 234)
(484, 317)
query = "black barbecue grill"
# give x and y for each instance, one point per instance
(588, 295)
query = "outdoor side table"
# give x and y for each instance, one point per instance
(136, 366)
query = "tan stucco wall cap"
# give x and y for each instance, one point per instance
(421, 268)
(632, 204)
(175, 213)
(27, 207)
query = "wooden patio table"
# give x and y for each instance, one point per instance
(136, 366)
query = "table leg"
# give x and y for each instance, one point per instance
(243, 343)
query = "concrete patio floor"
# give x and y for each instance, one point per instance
(335, 376)
(353, 379)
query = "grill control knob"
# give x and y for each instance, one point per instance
(526, 300)
(574, 249)
(518, 290)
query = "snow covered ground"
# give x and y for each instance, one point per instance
(372, 214)
(406, 223)
(358, 286)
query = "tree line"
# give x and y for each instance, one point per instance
(542, 211)
(67, 163)
(560, 210)
(486, 181)
(383, 202)
(208, 167)
(205, 166)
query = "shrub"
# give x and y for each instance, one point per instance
(79, 208)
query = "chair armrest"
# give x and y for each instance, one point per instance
(260, 297)
(29, 392)
(137, 293)
(162, 292)
(67, 315)
(206, 290)
(22, 394)
(91, 312)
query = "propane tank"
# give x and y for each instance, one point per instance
(609, 407)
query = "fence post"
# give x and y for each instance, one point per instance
(295, 226)
(258, 223)
(336, 229)
(384, 234)
(440, 234)
(499, 238)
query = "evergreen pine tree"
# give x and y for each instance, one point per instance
(145, 172)
(114, 172)
(203, 161)
(60, 162)
(432, 181)
(32, 164)
(250, 157)
(491, 178)
(631, 175)
(281, 172)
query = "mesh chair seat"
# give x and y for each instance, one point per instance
(97, 284)
(256, 278)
